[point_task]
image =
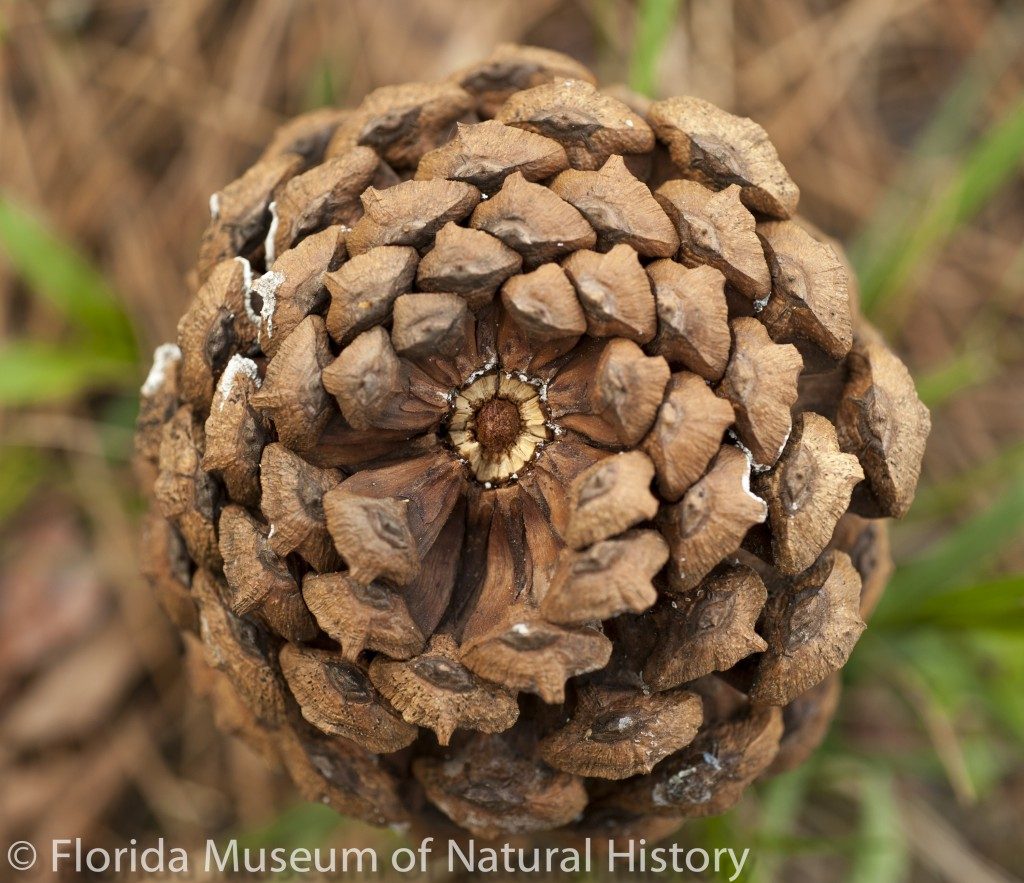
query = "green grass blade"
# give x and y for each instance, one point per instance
(881, 855)
(992, 161)
(994, 605)
(967, 369)
(304, 825)
(322, 87)
(21, 470)
(960, 556)
(1000, 655)
(653, 25)
(781, 801)
(34, 373)
(944, 139)
(57, 273)
(938, 500)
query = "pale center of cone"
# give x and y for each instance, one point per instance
(497, 425)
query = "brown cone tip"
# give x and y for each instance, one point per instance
(522, 456)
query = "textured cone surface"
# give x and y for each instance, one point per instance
(492, 473)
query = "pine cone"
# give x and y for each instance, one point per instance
(518, 454)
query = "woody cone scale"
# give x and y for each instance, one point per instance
(522, 460)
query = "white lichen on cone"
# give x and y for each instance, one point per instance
(165, 358)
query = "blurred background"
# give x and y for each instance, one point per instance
(901, 120)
